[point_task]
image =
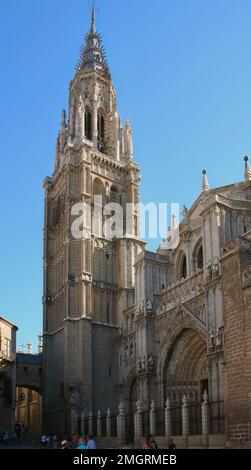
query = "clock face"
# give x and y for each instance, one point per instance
(97, 56)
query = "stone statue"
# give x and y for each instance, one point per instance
(141, 307)
(211, 341)
(107, 191)
(150, 362)
(218, 339)
(216, 267)
(72, 396)
(149, 305)
(185, 213)
(209, 272)
(205, 397)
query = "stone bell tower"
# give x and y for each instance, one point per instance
(89, 278)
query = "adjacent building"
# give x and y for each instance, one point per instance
(7, 375)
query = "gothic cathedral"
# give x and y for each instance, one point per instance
(152, 331)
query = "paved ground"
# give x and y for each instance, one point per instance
(27, 444)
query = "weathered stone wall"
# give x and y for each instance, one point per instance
(236, 255)
(105, 367)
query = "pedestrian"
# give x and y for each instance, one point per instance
(82, 444)
(55, 441)
(152, 441)
(91, 444)
(75, 441)
(6, 438)
(64, 445)
(18, 429)
(147, 444)
(171, 444)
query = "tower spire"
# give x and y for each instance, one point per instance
(92, 54)
(93, 28)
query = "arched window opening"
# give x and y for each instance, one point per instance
(200, 261)
(88, 124)
(183, 270)
(114, 194)
(101, 131)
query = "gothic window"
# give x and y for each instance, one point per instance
(183, 267)
(197, 259)
(101, 131)
(88, 124)
(200, 258)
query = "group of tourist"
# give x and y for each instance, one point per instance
(150, 443)
(88, 442)
(79, 442)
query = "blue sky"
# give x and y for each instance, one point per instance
(182, 72)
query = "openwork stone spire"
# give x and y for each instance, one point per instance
(92, 54)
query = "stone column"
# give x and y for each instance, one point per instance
(99, 424)
(168, 421)
(205, 418)
(121, 424)
(108, 423)
(83, 424)
(185, 417)
(74, 421)
(138, 424)
(90, 423)
(152, 419)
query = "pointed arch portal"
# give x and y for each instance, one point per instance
(186, 373)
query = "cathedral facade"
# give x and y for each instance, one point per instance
(122, 324)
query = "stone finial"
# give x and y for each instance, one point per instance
(174, 223)
(121, 409)
(247, 169)
(99, 414)
(168, 403)
(152, 406)
(63, 119)
(108, 413)
(184, 400)
(205, 184)
(128, 140)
